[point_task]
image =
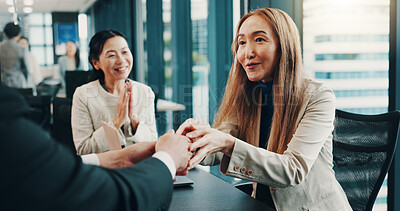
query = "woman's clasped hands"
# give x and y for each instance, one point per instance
(206, 140)
(125, 107)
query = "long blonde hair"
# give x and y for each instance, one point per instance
(241, 97)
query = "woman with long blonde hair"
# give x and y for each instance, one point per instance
(274, 125)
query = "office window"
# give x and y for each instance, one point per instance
(167, 49)
(352, 38)
(41, 37)
(200, 69)
(346, 46)
(199, 55)
(361, 93)
(352, 56)
(83, 40)
(199, 14)
(144, 66)
(379, 200)
(351, 75)
(167, 55)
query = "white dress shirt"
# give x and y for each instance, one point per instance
(164, 157)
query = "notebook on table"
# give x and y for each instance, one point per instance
(183, 181)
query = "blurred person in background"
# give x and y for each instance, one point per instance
(14, 59)
(35, 72)
(2, 36)
(69, 62)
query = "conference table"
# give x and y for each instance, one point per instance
(211, 193)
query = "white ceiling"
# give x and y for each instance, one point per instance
(50, 5)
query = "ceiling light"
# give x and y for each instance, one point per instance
(9, 2)
(27, 9)
(11, 10)
(28, 2)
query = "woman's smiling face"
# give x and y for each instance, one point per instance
(115, 60)
(257, 48)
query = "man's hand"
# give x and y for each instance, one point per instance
(208, 141)
(128, 156)
(177, 146)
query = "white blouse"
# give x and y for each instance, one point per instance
(92, 104)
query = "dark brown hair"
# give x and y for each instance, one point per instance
(96, 47)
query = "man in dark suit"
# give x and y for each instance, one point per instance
(39, 174)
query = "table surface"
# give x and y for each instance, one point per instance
(211, 193)
(164, 105)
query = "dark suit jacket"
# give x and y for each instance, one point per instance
(39, 174)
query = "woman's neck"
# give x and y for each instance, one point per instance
(113, 86)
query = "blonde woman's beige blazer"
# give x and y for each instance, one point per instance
(302, 177)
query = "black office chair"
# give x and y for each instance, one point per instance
(39, 110)
(25, 91)
(363, 147)
(48, 87)
(62, 131)
(74, 79)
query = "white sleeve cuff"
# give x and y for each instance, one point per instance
(167, 160)
(91, 159)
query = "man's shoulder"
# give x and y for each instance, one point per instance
(14, 46)
(89, 85)
(315, 86)
(11, 103)
(92, 88)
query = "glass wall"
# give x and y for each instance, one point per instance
(143, 66)
(83, 40)
(199, 57)
(199, 14)
(346, 46)
(201, 67)
(41, 37)
(167, 56)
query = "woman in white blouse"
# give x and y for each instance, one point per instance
(125, 104)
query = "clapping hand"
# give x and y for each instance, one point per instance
(126, 107)
(122, 106)
(131, 108)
